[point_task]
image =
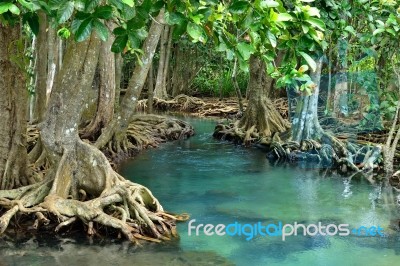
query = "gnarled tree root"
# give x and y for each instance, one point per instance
(147, 131)
(206, 107)
(113, 201)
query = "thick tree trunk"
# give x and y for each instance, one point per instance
(118, 126)
(260, 114)
(106, 91)
(79, 170)
(13, 122)
(160, 90)
(52, 43)
(41, 69)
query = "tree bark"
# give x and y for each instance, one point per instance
(160, 90)
(13, 122)
(106, 91)
(41, 69)
(305, 124)
(150, 89)
(118, 126)
(261, 113)
(119, 63)
(340, 106)
(236, 85)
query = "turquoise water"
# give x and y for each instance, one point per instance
(219, 183)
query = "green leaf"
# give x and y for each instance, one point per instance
(29, 5)
(119, 31)
(84, 30)
(128, 13)
(130, 3)
(239, 7)
(305, 28)
(350, 29)
(135, 23)
(75, 25)
(196, 32)
(268, 4)
(391, 31)
(377, 31)
(174, 18)
(65, 11)
(141, 33)
(157, 6)
(133, 41)
(103, 12)
(101, 29)
(14, 9)
(119, 43)
(245, 50)
(63, 33)
(316, 23)
(91, 4)
(309, 60)
(4, 7)
(271, 38)
(284, 17)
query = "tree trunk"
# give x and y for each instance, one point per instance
(160, 90)
(261, 114)
(41, 69)
(236, 85)
(118, 126)
(106, 91)
(390, 146)
(150, 89)
(167, 60)
(340, 107)
(79, 170)
(52, 43)
(305, 124)
(13, 122)
(119, 63)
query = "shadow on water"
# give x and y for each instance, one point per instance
(51, 250)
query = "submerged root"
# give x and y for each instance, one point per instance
(329, 152)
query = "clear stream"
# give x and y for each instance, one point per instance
(219, 183)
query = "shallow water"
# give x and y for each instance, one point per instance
(219, 183)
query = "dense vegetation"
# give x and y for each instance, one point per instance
(86, 64)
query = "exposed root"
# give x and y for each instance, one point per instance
(329, 152)
(82, 187)
(146, 131)
(114, 202)
(207, 107)
(258, 125)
